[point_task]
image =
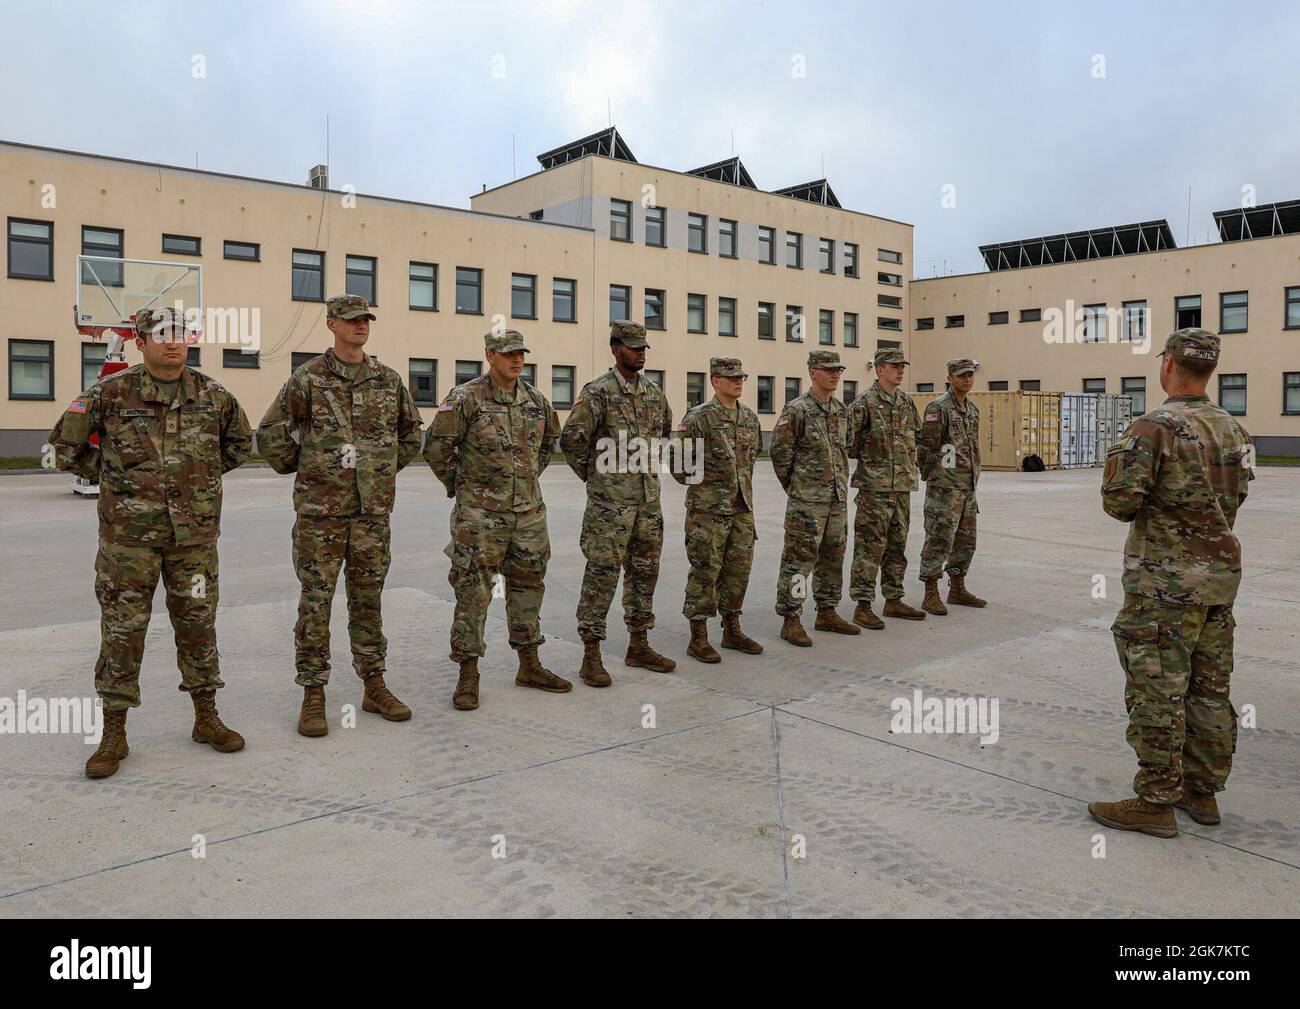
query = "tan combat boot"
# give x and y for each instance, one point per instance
(377, 697)
(1200, 806)
(699, 648)
(793, 632)
(898, 608)
(465, 696)
(112, 746)
(639, 653)
(1136, 814)
(957, 593)
(863, 617)
(533, 674)
(208, 727)
(733, 637)
(829, 620)
(593, 671)
(311, 718)
(932, 603)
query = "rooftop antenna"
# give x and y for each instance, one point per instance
(514, 173)
(1187, 234)
(609, 112)
(733, 143)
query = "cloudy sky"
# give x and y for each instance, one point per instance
(1043, 117)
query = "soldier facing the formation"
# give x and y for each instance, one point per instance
(345, 424)
(166, 435)
(720, 511)
(883, 424)
(949, 457)
(809, 453)
(1178, 475)
(617, 418)
(488, 444)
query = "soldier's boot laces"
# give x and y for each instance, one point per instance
(829, 620)
(208, 726)
(898, 608)
(465, 696)
(793, 632)
(533, 674)
(932, 603)
(863, 617)
(112, 746)
(733, 637)
(1200, 806)
(1136, 814)
(699, 648)
(957, 593)
(639, 653)
(593, 671)
(377, 697)
(311, 718)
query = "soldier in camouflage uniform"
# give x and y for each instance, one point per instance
(720, 510)
(949, 457)
(489, 443)
(157, 438)
(809, 453)
(622, 413)
(882, 437)
(345, 424)
(1179, 475)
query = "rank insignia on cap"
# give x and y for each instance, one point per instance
(78, 406)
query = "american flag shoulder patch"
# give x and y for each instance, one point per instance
(931, 417)
(78, 406)
(449, 405)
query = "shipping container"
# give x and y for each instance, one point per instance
(1078, 429)
(1113, 416)
(1013, 426)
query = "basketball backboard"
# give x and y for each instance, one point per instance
(110, 291)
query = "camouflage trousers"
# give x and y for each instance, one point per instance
(322, 545)
(720, 550)
(484, 544)
(125, 579)
(880, 527)
(1177, 663)
(816, 534)
(949, 532)
(626, 537)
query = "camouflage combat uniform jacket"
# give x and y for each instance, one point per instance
(159, 465)
(946, 423)
(882, 437)
(730, 449)
(809, 449)
(610, 406)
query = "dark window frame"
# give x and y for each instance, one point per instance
(704, 312)
(892, 301)
(994, 319)
(735, 238)
(1245, 307)
(847, 329)
(620, 210)
(889, 256)
(948, 322)
(1030, 384)
(771, 393)
(1245, 401)
(662, 222)
(319, 271)
(1287, 301)
(889, 279)
(411, 385)
(798, 388)
(99, 362)
(925, 323)
(799, 321)
(697, 224)
(797, 246)
(771, 320)
(373, 276)
(663, 308)
(104, 251)
(826, 252)
(851, 260)
(256, 257)
(1124, 391)
(253, 360)
(431, 281)
(626, 300)
(998, 385)
(826, 324)
(1031, 315)
(1295, 385)
(48, 359)
(925, 387)
(532, 292)
(1200, 309)
(476, 365)
(476, 286)
(27, 240)
(722, 300)
(196, 239)
(572, 296)
(1126, 315)
(770, 234)
(1084, 385)
(702, 385)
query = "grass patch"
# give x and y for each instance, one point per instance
(1277, 460)
(20, 462)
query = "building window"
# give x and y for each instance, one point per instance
(249, 252)
(107, 243)
(523, 296)
(997, 387)
(1094, 323)
(890, 279)
(31, 369)
(765, 385)
(562, 382)
(300, 357)
(1094, 385)
(92, 360)
(767, 245)
(1234, 309)
(727, 238)
(1232, 394)
(694, 388)
(529, 374)
(889, 256)
(182, 245)
(850, 259)
(31, 249)
(537, 215)
(954, 322)
(888, 301)
(1135, 321)
(697, 239)
(850, 391)
(422, 287)
(794, 323)
(237, 358)
(193, 358)
(927, 323)
(850, 329)
(888, 345)
(1136, 388)
(696, 312)
(654, 309)
(1030, 385)
(360, 279)
(308, 282)
(999, 318)
(925, 387)
(882, 322)
(794, 250)
(826, 255)
(654, 227)
(620, 220)
(469, 290)
(1292, 315)
(1031, 315)
(620, 296)
(793, 386)
(1291, 392)
(726, 316)
(766, 310)
(564, 300)
(826, 328)
(1187, 312)
(467, 371)
(657, 377)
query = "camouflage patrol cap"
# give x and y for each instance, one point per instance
(726, 367)
(504, 343)
(962, 366)
(890, 355)
(348, 307)
(1194, 344)
(828, 359)
(628, 333)
(148, 320)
